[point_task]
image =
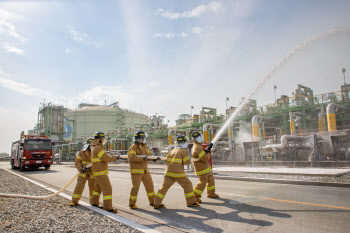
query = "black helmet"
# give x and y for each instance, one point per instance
(140, 134)
(88, 141)
(181, 139)
(87, 144)
(196, 134)
(99, 135)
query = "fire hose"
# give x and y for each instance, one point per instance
(154, 157)
(45, 197)
(74, 178)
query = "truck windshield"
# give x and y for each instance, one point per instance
(37, 145)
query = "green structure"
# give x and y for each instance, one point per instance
(301, 127)
(51, 121)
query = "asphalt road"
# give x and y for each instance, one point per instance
(243, 206)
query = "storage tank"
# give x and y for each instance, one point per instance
(88, 119)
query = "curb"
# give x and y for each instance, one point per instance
(294, 174)
(115, 217)
(262, 180)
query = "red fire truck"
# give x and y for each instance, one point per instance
(31, 151)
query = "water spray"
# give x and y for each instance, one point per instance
(274, 70)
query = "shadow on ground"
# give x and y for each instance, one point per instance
(197, 217)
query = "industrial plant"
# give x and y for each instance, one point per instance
(302, 126)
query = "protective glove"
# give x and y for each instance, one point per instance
(145, 158)
(83, 170)
(157, 159)
(208, 149)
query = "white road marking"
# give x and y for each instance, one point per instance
(115, 217)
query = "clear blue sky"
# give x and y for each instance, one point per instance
(161, 56)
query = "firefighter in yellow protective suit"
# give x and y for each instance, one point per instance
(139, 170)
(202, 168)
(100, 161)
(82, 159)
(175, 172)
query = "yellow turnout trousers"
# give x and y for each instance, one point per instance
(185, 183)
(102, 185)
(206, 179)
(147, 181)
(79, 188)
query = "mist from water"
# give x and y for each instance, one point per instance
(274, 70)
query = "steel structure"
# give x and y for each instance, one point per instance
(51, 121)
(300, 127)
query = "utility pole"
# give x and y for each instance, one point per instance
(191, 110)
(343, 70)
(274, 89)
(227, 99)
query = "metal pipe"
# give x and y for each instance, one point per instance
(291, 123)
(331, 110)
(205, 130)
(170, 134)
(303, 146)
(255, 123)
(284, 142)
(320, 121)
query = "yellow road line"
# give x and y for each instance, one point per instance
(295, 202)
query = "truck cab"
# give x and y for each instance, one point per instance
(32, 151)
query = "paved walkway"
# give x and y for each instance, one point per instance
(257, 170)
(283, 170)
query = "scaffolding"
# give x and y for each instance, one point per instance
(51, 121)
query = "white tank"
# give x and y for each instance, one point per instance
(89, 119)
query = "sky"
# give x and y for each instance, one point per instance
(162, 56)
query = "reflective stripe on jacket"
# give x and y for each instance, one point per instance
(137, 164)
(202, 166)
(83, 158)
(175, 162)
(100, 160)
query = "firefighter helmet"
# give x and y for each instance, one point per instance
(87, 143)
(140, 134)
(181, 139)
(196, 134)
(99, 135)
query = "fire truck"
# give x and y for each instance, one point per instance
(31, 151)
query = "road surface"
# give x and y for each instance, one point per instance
(242, 206)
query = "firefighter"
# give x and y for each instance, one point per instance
(82, 159)
(175, 172)
(202, 168)
(100, 161)
(138, 169)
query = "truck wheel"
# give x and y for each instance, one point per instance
(47, 168)
(12, 164)
(21, 167)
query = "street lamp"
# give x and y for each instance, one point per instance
(343, 70)
(227, 99)
(191, 110)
